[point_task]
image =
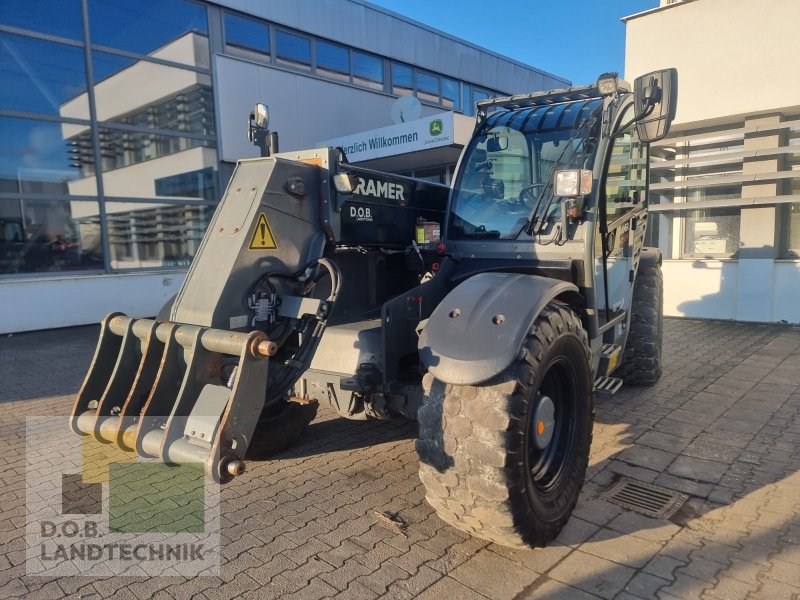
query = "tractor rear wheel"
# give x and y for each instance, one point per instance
(641, 362)
(505, 460)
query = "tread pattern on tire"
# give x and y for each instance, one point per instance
(641, 362)
(471, 443)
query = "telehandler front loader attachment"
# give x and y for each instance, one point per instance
(158, 389)
(191, 389)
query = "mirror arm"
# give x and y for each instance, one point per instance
(645, 113)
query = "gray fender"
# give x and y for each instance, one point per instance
(479, 327)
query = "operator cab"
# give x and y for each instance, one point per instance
(505, 183)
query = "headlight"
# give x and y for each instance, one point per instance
(607, 84)
(573, 183)
(343, 183)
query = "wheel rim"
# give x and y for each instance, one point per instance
(550, 443)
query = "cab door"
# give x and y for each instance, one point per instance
(620, 234)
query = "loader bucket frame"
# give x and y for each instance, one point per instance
(158, 390)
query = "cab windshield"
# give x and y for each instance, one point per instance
(508, 168)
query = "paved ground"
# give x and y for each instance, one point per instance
(723, 425)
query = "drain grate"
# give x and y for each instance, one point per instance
(645, 498)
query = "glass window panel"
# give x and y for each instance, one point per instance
(477, 96)
(168, 29)
(469, 109)
(713, 232)
(333, 60)
(148, 165)
(792, 221)
(146, 94)
(402, 80)
(292, 50)
(147, 235)
(246, 34)
(427, 87)
(45, 236)
(62, 18)
(367, 70)
(451, 94)
(715, 193)
(42, 77)
(42, 157)
(626, 179)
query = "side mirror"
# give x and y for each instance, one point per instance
(261, 116)
(497, 144)
(656, 99)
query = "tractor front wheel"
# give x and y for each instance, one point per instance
(505, 460)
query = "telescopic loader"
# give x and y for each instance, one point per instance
(492, 312)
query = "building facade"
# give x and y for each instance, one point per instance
(121, 121)
(725, 184)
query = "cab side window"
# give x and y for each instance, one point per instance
(626, 182)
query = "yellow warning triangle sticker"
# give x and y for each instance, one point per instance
(262, 235)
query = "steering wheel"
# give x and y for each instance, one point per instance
(526, 197)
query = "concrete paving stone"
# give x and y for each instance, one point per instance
(378, 555)
(684, 485)
(709, 450)
(662, 441)
(418, 582)
(685, 587)
(664, 566)
(576, 531)
(728, 588)
(784, 572)
(494, 576)
(451, 559)
(733, 426)
(775, 590)
(702, 568)
(698, 469)
(555, 590)
(269, 569)
(592, 574)
(745, 571)
(644, 456)
(685, 430)
(654, 530)
(538, 559)
(341, 553)
(626, 550)
(722, 547)
(645, 585)
(640, 473)
(692, 417)
(449, 588)
(596, 510)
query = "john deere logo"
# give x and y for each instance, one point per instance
(436, 127)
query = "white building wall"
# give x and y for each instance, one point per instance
(735, 62)
(44, 303)
(734, 57)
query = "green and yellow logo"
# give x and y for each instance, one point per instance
(436, 127)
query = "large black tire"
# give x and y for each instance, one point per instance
(478, 457)
(641, 362)
(279, 427)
